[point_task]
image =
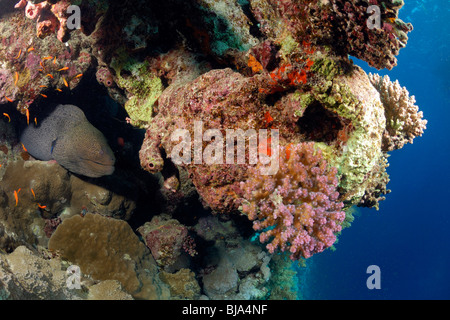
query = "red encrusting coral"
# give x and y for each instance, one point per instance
(297, 209)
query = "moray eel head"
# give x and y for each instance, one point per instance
(84, 150)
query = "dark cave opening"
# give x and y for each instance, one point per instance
(319, 124)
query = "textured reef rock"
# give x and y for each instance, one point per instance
(119, 255)
(165, 238)
(210, 70)
(233, 267)
(25, 275)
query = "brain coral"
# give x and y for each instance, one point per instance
(296, 209)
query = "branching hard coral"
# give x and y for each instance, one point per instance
(403, 119)
(296, 209)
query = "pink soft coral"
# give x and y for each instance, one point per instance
(297, 209)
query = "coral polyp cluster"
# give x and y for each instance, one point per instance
(297, 209)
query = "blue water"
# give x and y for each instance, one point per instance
(409, 237)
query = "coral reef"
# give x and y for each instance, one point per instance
(192, 79)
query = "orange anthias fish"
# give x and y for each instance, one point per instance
(28, 116)
(7, 115)
(64, 69)
(32, 191)
(16, 196)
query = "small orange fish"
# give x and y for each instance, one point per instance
(49, 75)
(54, 61)
(78, 76)
(24, 149)
(42, 207)
(42, 86)
(8, 99)
(20, 52)
(28, 116)
(64, 69)
(16, 78)
(16, 195)
(65, 82)
(7, 115)
(58, 89)
(41, 64)
(30, 49)
(35, 121)
(43, 95)
(32, 191)
(47, 58)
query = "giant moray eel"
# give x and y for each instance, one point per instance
(66, 136)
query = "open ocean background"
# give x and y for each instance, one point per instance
(409, 237)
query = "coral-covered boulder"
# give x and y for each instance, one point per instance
(108, 249)
(165, 237)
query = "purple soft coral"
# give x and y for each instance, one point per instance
(297, 209)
